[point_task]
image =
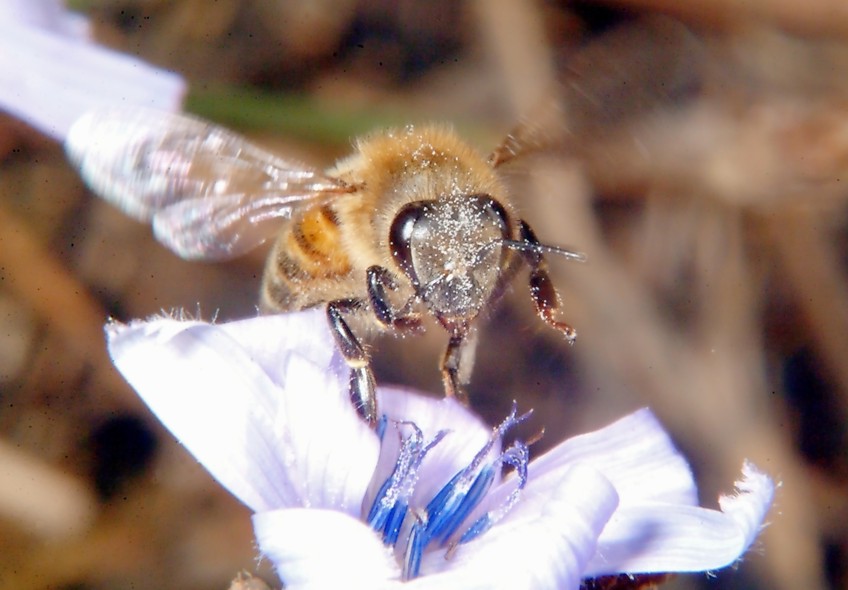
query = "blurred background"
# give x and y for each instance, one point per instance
(695, 151)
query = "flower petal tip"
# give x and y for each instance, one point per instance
(751, 501)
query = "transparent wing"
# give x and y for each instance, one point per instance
(619, 78)
(209, 193)
(226, 226)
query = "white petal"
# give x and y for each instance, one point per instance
(749, 505)
(544, 543)
(324, 549)
(48, 79)
(634, 453)
(263, 341)
(655, 537)
(467, 435)
(49, 15)
(273, 445)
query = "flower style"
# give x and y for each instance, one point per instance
(50, 73)
(422, 501)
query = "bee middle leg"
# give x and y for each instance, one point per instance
(542, 288)
(362, 386)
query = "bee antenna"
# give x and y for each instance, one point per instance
(523, 246)
(538, 248)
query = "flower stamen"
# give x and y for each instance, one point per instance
(391, 504)
(415, 545)
(453, 503)
(518, 455)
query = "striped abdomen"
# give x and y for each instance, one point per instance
(308, 264)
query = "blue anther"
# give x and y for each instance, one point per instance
(415, 545)
(444, 524)
(379, 511)
(452, 504)
(391, 503)
(517, 455)
(436, 505)
(391, 530)
(480, 526)
(467, 488)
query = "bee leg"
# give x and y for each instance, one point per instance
(380, 279)
(362, 384)
(457, 363)
(542, 288)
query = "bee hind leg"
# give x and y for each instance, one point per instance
(362, 384)
(542, 290)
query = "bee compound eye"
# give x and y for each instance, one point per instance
(495, 212)
(402, 232)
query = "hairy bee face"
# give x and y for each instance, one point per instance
(451, 250)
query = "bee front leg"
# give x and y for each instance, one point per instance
(362, 384)
(542, 288)
(457, 363)
(380, 279)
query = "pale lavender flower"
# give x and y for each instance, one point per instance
(50, 73)
(422, 503)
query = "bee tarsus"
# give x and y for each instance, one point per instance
(362, 383)
(362, 394)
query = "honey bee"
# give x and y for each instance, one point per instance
(414, 222)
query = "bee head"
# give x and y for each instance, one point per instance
(452, 251)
